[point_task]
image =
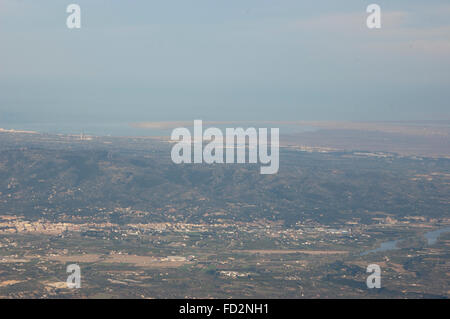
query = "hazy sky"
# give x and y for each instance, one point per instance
(224, 60)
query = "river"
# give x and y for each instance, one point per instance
(430, 236)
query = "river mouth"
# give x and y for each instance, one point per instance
(431, 237)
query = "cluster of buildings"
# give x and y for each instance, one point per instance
(12, 224)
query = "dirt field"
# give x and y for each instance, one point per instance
(138, 261)
(282, 252)
(85, 258)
